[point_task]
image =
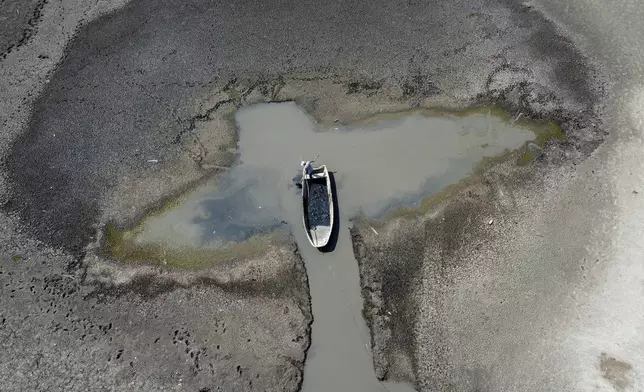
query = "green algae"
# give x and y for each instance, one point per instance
(551, 132)
(122, 245)
(120, 242)
(433, 200)
(525, 157)
(545, 131)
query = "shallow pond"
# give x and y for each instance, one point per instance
(379, 165)
(390, 162)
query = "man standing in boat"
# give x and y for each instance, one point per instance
(308, 165)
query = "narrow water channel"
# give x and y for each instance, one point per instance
(378, 166)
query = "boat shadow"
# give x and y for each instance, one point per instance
(333, 240)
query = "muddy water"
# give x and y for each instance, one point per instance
(377, 166)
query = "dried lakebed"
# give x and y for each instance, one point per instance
(382, 164)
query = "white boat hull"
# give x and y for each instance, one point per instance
(317, 206)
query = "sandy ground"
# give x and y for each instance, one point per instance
(82, 120)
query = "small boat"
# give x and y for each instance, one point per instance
(317, 204)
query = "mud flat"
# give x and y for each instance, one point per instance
(449, 285)
(105, 119)
(383, 163)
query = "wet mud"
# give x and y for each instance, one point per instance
(99, 125)
(378, 166)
